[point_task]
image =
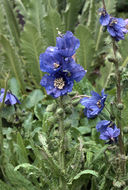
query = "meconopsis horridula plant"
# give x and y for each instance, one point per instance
(117, 28)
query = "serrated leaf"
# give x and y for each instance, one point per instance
(11, 21)
(85, 172)
(86, 51)
(31, 47)
(23, 156)
(51, 24)
(71, 13)
(92, 15)
(13, 61)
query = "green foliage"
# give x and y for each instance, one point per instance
(13, 60)
(31, 47)
(32, 156)
(86, 46)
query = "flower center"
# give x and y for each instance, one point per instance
(99, 103)
(114, 21)
(56, 65)
(59, 83)
(126, 26)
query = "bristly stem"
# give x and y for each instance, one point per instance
(62, 145)
(118, 101)
(104, 6)
(1, 131)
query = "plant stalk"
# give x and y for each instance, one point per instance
(118, 101)
(62, 146)
(1, 131)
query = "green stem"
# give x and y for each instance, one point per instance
(1, 131)
(62, 146)
(118, 101)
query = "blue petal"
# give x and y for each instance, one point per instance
(67, 44)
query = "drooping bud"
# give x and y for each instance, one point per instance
(51, 107)
(59, 111)
(76, 102)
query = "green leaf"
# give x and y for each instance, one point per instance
(11, 22)
(13, 61)
(23, 156)
(33, 98)
(39, 10)
(31, 47)
(51, 23)
(92, 15)
(92, 172)
(71, 13)
(86, 51)
(14, 86)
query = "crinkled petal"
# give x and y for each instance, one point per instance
(49, 59)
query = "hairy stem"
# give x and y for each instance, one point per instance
(62, 147)
(118, 101)
(104, 6)
(1, 131)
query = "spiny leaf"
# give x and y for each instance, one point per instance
(92, 172)
(11, 21)
(92, 15)
(31, 47)
(71, 13)
(85, 52)
(13, 60)
(23, 157)
(38, 8)
(51, 23)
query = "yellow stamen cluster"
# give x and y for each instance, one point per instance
(59, 83)
(56, 65)
(113, 22)
(99, 104)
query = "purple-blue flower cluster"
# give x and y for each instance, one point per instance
(10, 98)
(117, 27)
(108, 131)
(94, 104)
(61, 67)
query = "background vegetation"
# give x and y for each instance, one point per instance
(30, 157)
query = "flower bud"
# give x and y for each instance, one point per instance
(66, 100)
(51, 107)
(59, 111)
(67, 124)
(52, 120)
(75, 102)
(68, 109)
(73, 93)
(120, 106)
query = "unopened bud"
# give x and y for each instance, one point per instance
(59, 111)
(51, 107)
(75, 102)
(73, 93)
(120, 106)
(68, 109)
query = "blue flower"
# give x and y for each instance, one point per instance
(67, 44)
(104, 18)
(61, 82)
(10, 98)
(50, 61)
(110, 134)
(117, 28)
(94, 104)
(102, 125)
